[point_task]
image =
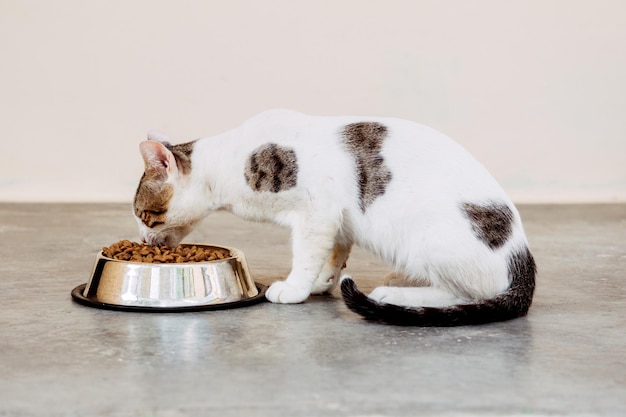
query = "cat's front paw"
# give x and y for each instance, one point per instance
(285, 293)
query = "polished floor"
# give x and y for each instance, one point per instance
(59, 358)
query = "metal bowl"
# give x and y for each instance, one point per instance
(170, 287)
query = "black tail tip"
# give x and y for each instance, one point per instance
(357, 301)
(346, 280)
(348, 287)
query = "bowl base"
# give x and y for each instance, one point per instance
(77, 296)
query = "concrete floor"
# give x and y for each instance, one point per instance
(58, 358)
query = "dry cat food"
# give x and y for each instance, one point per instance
(125, 250)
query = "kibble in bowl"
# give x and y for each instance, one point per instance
(125, 250)
(133, 276)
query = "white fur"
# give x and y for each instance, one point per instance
(416, 225)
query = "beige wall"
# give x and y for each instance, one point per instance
(535, 89)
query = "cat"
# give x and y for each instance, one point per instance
(405, 192)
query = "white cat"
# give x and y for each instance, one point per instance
(403, 191)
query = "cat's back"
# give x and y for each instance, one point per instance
(405, 134)
(415, 154)
(410, 150)
(291, 125)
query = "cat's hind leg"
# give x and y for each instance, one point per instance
(328, 278)
(399, 279)
(416, 296)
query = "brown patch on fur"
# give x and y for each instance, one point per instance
(491, 223)
(364, 141)
(182, 153)
(272, 168)
(152, 199)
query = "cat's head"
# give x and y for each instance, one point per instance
(163, 205)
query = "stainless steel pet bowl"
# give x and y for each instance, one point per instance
(170, 287)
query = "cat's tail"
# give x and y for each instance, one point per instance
(512, 303)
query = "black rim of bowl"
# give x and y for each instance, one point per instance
(77, 296)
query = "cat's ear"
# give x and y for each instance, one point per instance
(158, 158)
